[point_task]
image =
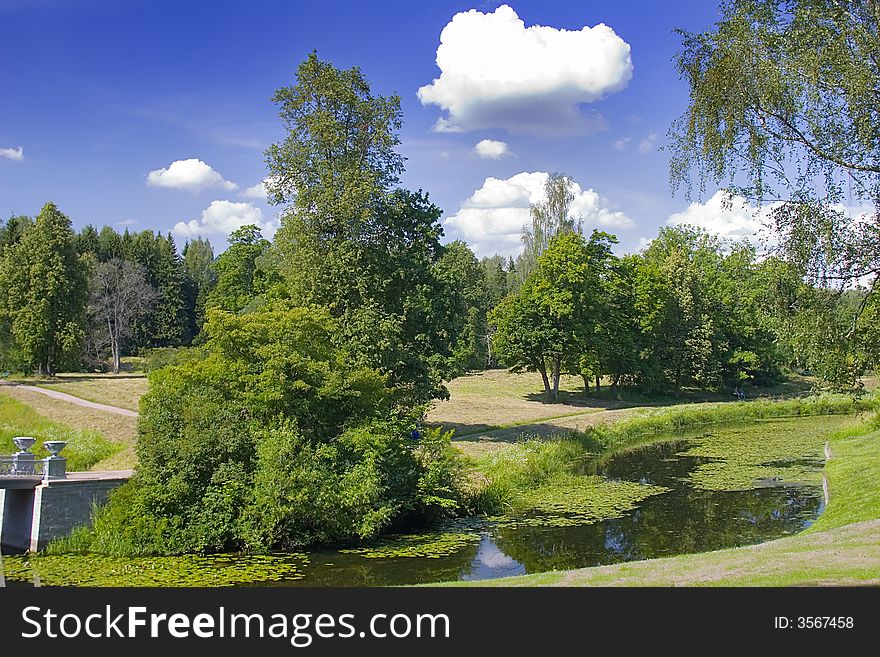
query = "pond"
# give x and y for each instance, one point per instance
(709, 489)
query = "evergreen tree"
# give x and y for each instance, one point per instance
(43, 292)
(198, 258)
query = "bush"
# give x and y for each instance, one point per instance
(157, 358)
(272, 439)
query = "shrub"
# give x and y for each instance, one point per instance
(271, 438)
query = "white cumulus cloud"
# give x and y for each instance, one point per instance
(736, 220)
(497, 73)
(192, 175)
(491, 220)
(14, 154)
(223, 217)
(489, 149)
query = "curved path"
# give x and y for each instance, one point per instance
(63, 396)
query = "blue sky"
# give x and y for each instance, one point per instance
(155, 115)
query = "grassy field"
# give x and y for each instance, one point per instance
(85, 447)
(122, 390)
(491, 410)
(116, 429)
(842, 548)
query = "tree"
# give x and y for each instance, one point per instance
(352, 242)
(198, 259)
(172, 320)
(783, 108)
(549, 217)
(43, 292)
(118, 294)
(682, 337)
(338, 156)
(270, 436)
(460, 269)
(238, 275)
(552, 319)
(495, 276)
(618, 339)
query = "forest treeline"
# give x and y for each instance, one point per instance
(689, 310)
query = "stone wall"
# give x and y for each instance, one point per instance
(63, 505)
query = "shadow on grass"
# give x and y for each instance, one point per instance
(513, 434)
(627, 397)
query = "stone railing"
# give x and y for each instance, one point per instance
(24, 464)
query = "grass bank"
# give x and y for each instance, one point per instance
(117, 429)
(602, 438)
(842, 548)
(84, 447)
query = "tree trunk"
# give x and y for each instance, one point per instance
(586, 384)
(543, 370)
(598, 384)
(616, 382)
(557, 367)
(114, 346)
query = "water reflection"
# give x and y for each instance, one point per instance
(683, 520)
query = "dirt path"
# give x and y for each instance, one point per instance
(63, 396)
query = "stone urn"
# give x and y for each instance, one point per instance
(54, 446)
(55, 466)
(24, 443)
(23, 461)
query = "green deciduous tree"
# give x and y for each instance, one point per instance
(551, 321)
(459, 268)
(783, 108)
(239, 277)
(270, 435)
(349, 240)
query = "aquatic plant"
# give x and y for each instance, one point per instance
(189, 570)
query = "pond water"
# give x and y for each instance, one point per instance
(685, 519)
(700, 510)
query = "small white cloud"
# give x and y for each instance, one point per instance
(491, 220)
(648, 144)
(14, 154)
(126, 222)
(622, 143)
(192, 175)
(489, 149)
(258, 191)
(223, 217)
(497, 73)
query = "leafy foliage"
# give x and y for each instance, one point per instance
(267, 436)
(783, 110)
(349, 240)
(43, 292)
